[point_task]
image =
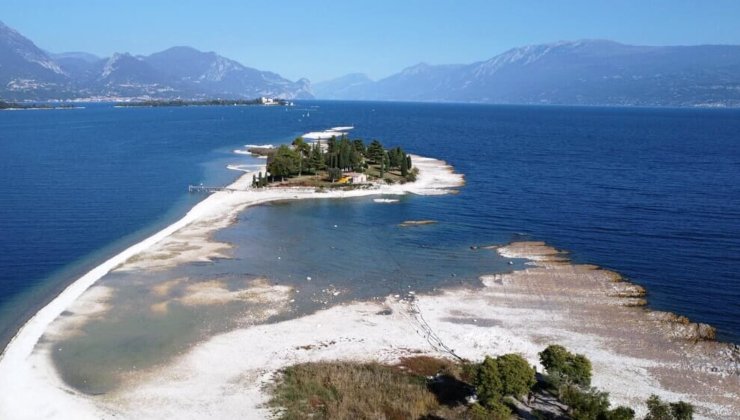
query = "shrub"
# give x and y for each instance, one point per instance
(657, 409)
(620, 413)
(334, 174)
(565, 367)
(517, 376)
(412, 175)
(478, 412)
(660, 410)
(498, 411)
(682, 410)
(488, 384)
(585, 405)
(509, 374)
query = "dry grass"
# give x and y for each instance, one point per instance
(347, 390)
(341, 390)
(427, 365)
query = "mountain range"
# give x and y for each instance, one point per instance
(585, 72)
(29, 73)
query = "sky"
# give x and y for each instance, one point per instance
(322, 39)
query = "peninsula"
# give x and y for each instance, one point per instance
(140, 337)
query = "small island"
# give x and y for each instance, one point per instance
(338, 163)
(155, 103)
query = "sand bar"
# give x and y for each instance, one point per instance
(29, 385)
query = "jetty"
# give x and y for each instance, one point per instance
(207, 190)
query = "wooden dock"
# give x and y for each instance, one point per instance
(206, 190)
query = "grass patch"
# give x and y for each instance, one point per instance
(342, 390)
(426, 365)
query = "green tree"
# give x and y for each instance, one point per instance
(657, 409)
(488, 385)
(331, 145)
(619, 413)
(516, 375)
(564, 367)
(393, 157)
(682, 410)
(334, 174)
(359, 146)
(404, 166)
(284, 163)
(375, 152)
(408, 161)
(355, 160)
(344, 153)
(585, 405)
(660, 410)
(316, 160)
(304, 151)
(301, 147)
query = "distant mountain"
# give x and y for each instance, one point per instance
(342, 87)
(219, 75)
(586, 72)
(74, 55)
(77, 65)
(29, 73)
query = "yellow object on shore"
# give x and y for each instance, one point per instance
(344, 180)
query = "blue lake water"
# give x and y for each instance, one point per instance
(651, 193)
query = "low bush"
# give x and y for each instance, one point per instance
(564, 367)
(660, 410)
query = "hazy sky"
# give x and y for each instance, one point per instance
(322, 39)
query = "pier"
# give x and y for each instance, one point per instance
(206, 190)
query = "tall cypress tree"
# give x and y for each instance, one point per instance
(404, 167)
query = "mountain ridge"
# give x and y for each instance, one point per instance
(581, 72)
(30, 73)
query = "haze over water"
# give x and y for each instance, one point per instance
(653, 194)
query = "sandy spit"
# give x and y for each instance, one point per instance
(29, 385)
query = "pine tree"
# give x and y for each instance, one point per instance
(408, 161)
(375, 152)
(359, 146)
(404, 166)
(316, 160)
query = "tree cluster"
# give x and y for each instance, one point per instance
(570, 375)
(339, 156)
